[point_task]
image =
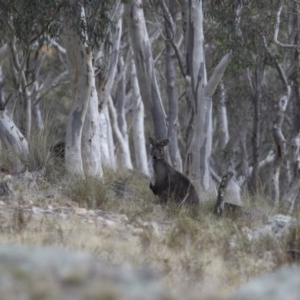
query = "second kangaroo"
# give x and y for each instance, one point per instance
(166, 182)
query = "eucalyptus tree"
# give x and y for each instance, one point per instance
(170, 13)
(200, 131)
(145, 70)
(26, 28)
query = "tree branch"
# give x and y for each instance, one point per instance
(276, 30)
(217, 75)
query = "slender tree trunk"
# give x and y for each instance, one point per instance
(290, 195)
(38, 117)
(123, 146)
(223, 120)
(79, 59)
(172, 91)
(36, 110)
(254, 183)
(200, 126)
(104, 82)
(145, 67)
(138, 124)
(120, 99)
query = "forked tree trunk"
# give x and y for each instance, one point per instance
(138, 124)
(145, 68)
(122, 141)
(18, 68)
(199, 142)
(79, 59)
(119, 123)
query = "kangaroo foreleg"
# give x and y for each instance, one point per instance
(153, 188)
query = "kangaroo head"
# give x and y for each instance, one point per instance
(157, 148)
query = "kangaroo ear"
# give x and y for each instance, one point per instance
(164, 143)
(152, 140)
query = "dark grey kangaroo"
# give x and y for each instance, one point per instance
(166, 182)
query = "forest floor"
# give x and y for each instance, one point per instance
(118, 220)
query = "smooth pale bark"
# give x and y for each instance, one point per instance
(123, 147)
(223, 120)
(104, 82)
(199, 144)
(19, 70)
(80, 66)
(227, 147)
(14, 141)
(280, 143)
(91, 152)
(145, 68)
(120, 100)
(171, 82)
(138, 124)
(106, 140)
(36, 110)
(119, 122)
(290, 195)
(38, 117)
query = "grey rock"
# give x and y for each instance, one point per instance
(277, 227)
(280, 285)
(56, 273)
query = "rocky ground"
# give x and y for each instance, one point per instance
(132, 249)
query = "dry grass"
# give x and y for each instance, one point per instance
(193, 252)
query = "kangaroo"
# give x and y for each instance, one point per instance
(166, 182)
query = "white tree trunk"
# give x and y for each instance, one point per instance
(14, 141)
(145, 67)
(36, 110)
(125, 158)
(172, 86)
(104, 81)
(106, 140)
(138, 124)
(91, 152)
(223, 120)
(80, 66)
(200, 126)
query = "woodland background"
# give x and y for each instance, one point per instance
(84, 84)
(220, 79)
